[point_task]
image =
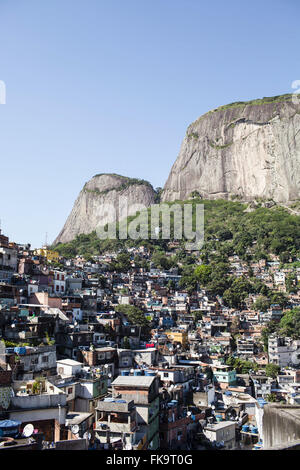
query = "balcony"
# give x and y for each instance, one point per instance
(49, 397)
(115, 425)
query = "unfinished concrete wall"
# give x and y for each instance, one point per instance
(281, 424)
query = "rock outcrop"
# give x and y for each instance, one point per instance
(244, 150)
(103, 197)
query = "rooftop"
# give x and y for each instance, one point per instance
(69, 362)
(76, 417)
(136, 381)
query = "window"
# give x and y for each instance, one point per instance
(166, 374)
(70, 391)
(45, 359)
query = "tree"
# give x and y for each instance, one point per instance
(272, 370)
(135, 316)
(237, 292)
(271, 397)
(290, 323)
(126, 343)
(291, 283)
(161, 261)
(262, 304)
(279, 298)
(202, 274)
(122, 263)
(189, 283)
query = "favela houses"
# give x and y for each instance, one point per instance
(150, 229)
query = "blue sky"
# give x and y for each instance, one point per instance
(110, 86)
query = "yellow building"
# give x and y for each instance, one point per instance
(50, 255)
(178, 336)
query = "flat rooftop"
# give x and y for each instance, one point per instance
(134, 380)
(220, 425)
(76, 417)
(69, 362)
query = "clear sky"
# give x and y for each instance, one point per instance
(110, 86)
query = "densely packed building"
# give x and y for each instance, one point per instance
(77, 371)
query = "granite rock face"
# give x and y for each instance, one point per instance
(102, 197)
(243, 150)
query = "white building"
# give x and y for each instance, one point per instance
(59, 282)
(283, 351)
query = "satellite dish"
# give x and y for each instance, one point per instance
(75, 429)
(295, 357)
(28, 430)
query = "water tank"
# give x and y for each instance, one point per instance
(245, 428)
(138, 372)
(9, 428)
(125, 372)
(150, 373)
(254, 430)
(20, 350)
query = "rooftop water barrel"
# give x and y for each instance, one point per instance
(245, 428)
(20, 350)
(125, 372)
(9, 428)
(138, 372)
(150, 373)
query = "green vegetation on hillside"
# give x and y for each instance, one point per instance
(228, 230)
(126, 183)
(289, 326)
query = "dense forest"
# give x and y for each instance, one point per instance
(230, 228)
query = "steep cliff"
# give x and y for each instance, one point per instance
(242, 150)
(100, 197)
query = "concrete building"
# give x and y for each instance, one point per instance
(144, 391)
(222, 432)
(283, 351)
(116, 422)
